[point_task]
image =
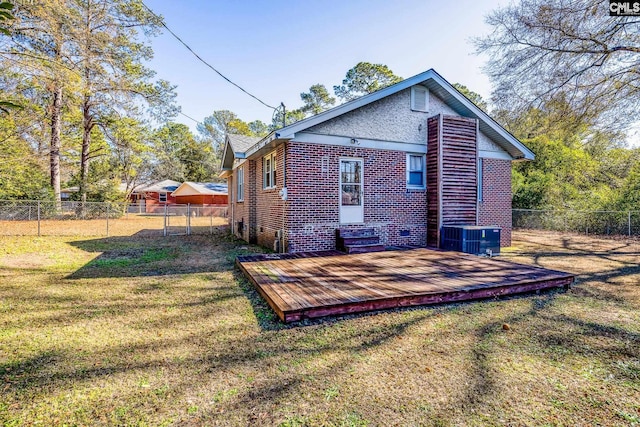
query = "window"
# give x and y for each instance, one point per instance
(162, 197)
(269, 170)
(416, 171)
(479, 180)
(420, 98)
(240, 180)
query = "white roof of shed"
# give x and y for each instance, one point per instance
(200, 188)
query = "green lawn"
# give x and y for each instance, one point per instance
(164, 331)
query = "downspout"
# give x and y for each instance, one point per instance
(231, 202)
(283, 238)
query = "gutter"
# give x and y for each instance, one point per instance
(265, 142)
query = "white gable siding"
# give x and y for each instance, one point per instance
(389, 119)
(489, 149)
(437, 106)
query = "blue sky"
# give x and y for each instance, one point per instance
(277, 49)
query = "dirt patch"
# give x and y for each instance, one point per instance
(126, 226)
(27, 261)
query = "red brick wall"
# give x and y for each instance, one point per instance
(495, 208)
(270, 206)
(313, 206)
(262, 209)
(240, 210)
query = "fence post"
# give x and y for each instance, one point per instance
(38, 218)
(188, 219)
(108, 205)
(211, 221)
(165, 220)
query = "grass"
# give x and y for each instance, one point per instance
(142, 330)
(148, 225)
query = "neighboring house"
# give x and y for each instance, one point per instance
(201, 193)
(65, 193)
(405, 161)
(153, 197)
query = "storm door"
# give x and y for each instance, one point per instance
(351, 191)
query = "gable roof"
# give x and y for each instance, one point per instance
(235, 146)
(242, 143)
(200, 188)
(167, 185)
(436, 85)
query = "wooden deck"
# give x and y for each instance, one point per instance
(299, 286)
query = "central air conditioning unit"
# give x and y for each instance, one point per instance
(471, 239)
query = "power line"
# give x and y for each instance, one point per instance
(203, 61)
(189, 117)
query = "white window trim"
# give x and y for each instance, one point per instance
(240, 184)
(166, 196)
(272, 172)
(424, 171)
(415, 93)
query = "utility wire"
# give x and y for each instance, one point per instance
(189, 117)
(202, 60)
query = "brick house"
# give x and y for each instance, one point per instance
(404, 160)
(154, 197)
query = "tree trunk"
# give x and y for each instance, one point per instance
(87, 126)
(54, 152)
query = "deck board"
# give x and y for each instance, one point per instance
(330, 283)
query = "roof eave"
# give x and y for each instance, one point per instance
(521, 151)
(289, 132)
(267, 143)
(516, 149)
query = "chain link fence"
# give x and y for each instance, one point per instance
(624, 223)
(49, 218)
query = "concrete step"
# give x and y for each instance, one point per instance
(349, 241)
(360, 232)
(361, 249)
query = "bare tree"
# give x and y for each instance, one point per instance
(542, 50)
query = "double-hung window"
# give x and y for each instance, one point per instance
(269, 170)
(162, 197)
(416, 171)
(240, 181)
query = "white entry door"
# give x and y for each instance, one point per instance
(351, 194)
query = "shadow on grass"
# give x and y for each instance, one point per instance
(299, 363)
(557, 338)
(142, 255)
(52, 371)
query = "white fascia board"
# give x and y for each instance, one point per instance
(289, 132)
(345, 141)
(501, 155)
(224, 163)
(268, 141)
